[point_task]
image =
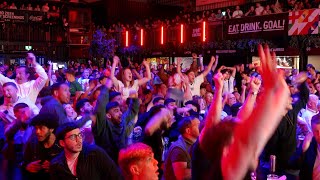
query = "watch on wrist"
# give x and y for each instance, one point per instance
(254, 93)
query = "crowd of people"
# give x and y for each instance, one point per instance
(263, 8)
(30, 7)
(128, 121)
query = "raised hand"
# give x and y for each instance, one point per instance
(116, 60)
(218, 80)
(145, 63)
(255, 84)
(273, 80)
(300, 78)
(50, 63)
(31, 59)
(213, 59)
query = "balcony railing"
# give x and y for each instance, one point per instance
(264, 27)
(30, 26)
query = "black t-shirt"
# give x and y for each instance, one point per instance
(205, 169)
(202, 167)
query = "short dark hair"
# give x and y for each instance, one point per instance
(64, 129)
(111, 105)
(168, 100)
(70, 71)
(113, 94)
(157, 99)
(19, 106)
(80, 104)
(194, 104)
(189, 71)
(185, 123)
(10, 84)
(45, 119)
(310, 66)
(56, 86)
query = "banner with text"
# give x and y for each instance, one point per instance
(194, 32)
(304, 22)
(20, 16)
(267, 26)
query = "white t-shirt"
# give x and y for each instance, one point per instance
(195, 86)
(306, 115)
(228, 85)
(237, 14)
(125, 91)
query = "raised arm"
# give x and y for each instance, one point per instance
(214, 113)
(248, 106)
(43, 77)
(99, 124)
(130, 116)
(208, 69)
(179, 62)
(116, 61)
(214, 67)
(144, 80)
(49, 73)
(252, 134)
(156, 121)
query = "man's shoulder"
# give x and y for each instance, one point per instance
(58, 160)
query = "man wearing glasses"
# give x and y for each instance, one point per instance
(79, 161)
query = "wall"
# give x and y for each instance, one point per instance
(315, 60)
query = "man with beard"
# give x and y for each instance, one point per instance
(60, 95)
(42, 148)
(79, 161)
(111, 128)
(28, 88)
(84, 107)
(178, 162)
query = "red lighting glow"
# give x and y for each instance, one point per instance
(181, 33)
(204, 32)
(141, 37)
(161, 34)
(127, 39)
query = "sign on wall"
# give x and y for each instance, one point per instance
(20, 16)
(304, 22)
(269, 26)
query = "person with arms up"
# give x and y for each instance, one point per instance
(28, 88)
(237, 145)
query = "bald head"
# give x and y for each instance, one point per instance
(313, 101)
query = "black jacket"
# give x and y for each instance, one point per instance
(283, 142)
(305, 161)
(34, 151)
(107, 135)
(93, 163)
